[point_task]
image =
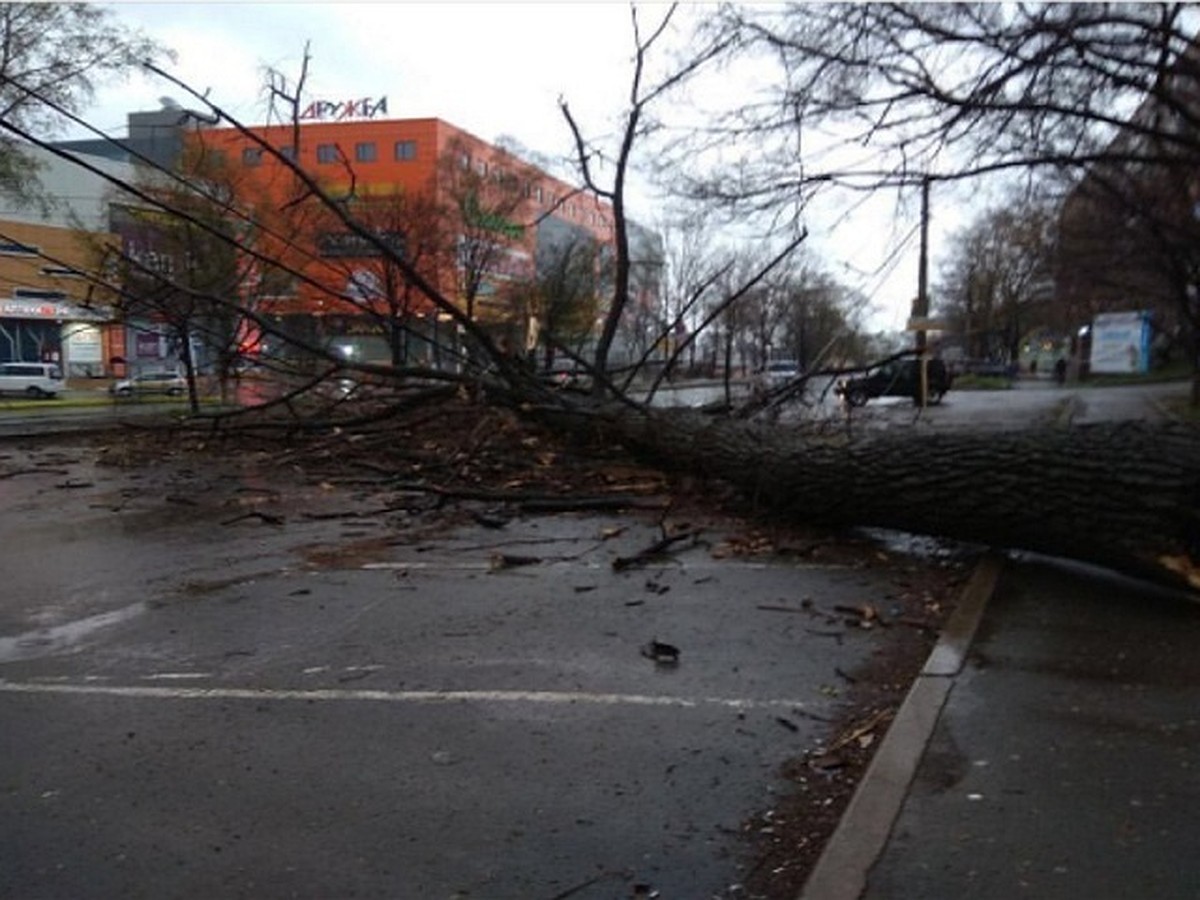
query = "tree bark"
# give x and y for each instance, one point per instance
(1125, 496)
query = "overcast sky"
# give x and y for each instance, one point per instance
(491, 68)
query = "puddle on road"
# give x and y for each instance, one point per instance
(920, 546)
(61, 638)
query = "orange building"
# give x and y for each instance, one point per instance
(473, 219)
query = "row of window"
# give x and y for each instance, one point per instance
(54, 270)
(364, 152)
(535, 192)
(406, 151)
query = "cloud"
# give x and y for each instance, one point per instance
(490, 68)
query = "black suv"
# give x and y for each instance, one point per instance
(900, 378)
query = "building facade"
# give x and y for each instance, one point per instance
(486, 231)
(50, 308)
(1129, 230)
(474, 220)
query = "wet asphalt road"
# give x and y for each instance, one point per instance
(198, 703)
(194, 704)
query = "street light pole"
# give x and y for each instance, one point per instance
(921, 304)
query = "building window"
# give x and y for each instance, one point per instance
(406, 150)
(365, 152)
(38, 294)
(537, 192)
(61, 272)
(481, 167)
(464, 161)
(327, 153)
(13, 248)
(252, 156)
(288, 153)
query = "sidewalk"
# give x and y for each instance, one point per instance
(1060, 760)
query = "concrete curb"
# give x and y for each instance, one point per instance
(862, 833)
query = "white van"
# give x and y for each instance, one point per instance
(30, 379)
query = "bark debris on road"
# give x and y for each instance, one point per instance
(227, 670)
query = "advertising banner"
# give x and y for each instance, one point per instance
(147, 346)
(83, 344)
(1121, 342)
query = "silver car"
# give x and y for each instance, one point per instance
(170, 383)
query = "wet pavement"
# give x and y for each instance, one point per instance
(240, 683)
(1066, 760)
(1053, 753)
(208, 691)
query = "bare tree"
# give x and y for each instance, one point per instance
(56, 52)
(637, 124)
(563, 295)
(998, 283)
(484, 200)
(890, 95)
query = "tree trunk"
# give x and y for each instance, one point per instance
(1125, 496)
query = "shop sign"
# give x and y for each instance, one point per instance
(43, 309)
(364, 108)
(335, 244)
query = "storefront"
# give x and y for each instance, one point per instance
(49, 328)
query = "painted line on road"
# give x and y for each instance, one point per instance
(439, 566)
(561, 698)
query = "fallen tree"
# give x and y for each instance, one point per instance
(1123, 495)
(1119, 495)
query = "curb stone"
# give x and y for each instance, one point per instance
(861, 834)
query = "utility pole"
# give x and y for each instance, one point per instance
(921, 304)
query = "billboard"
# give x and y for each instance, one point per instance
(1121, 342)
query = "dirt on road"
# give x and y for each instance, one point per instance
(470, 466)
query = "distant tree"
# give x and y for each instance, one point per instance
(591, 160)
(886, 95)
(824, 326)
(1130, 239)
(372, 285)
(186, 264)
(564, 295)
(692, 267)
(998, 282)
(51, 57)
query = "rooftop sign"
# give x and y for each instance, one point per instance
(364, 108)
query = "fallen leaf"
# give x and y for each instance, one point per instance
(827, 762)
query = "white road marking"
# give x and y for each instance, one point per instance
(438, 566)
(562, 698)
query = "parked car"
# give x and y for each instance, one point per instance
(31, 379)
(567, 374)
(900, 378)
(778, 371)
(170, 383)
